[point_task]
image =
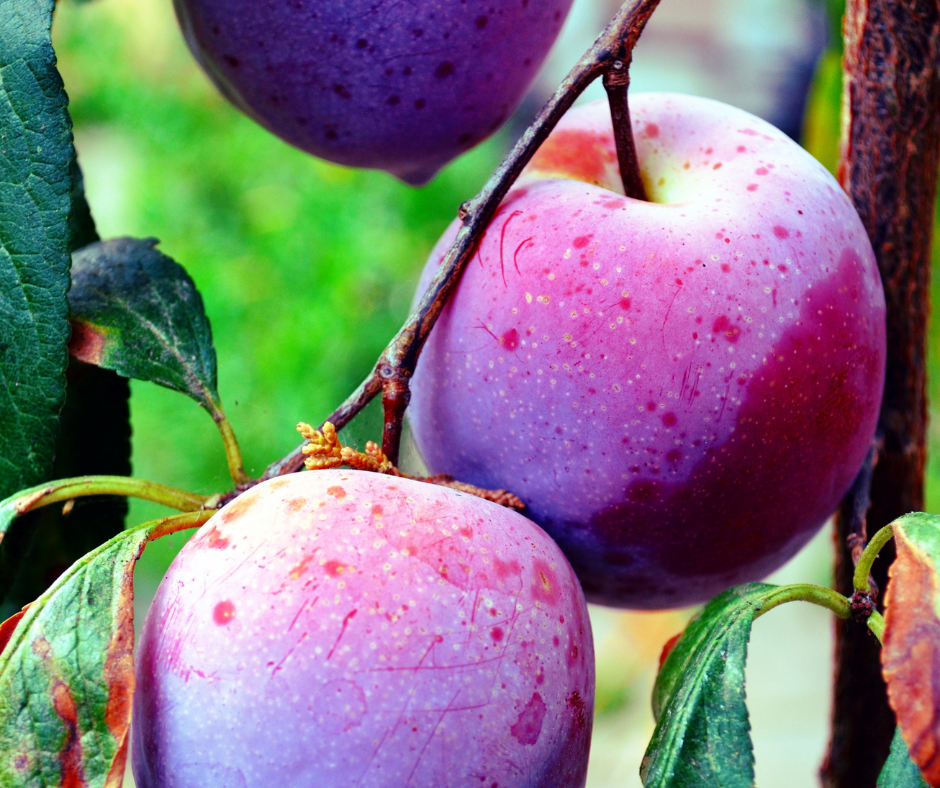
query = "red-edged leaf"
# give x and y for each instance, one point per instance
(911, 654)
(67, 672)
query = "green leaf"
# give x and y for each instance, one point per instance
(910, 654)
(136, 311)
(67, 672)
(35, 156)
(899, 770)
(702, 735)
(94, 439)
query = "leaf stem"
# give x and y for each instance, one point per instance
(398, 360)
(876, 624)
(807, 592)
(867, 559)
(233, 453)
(82, 486)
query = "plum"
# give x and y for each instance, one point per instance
(336, 628)
(681, 390)
(403, 87)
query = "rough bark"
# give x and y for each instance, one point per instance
(889, 160)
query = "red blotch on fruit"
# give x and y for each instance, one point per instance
(781, 232)
(545, 586)
(506, 569)
(238, 507)
(528, 727)
(651, 131)
(223, 613)
(497, 634)
(215, 540)
(581, 241)
(724, 327)
(752, 187)
(377, 512)
(625, 303)
(575, 153)
(669, 419)
(510, 339)
(761, 171)
(336, 491)
(295, 505)
(334, 568)
(301, 567)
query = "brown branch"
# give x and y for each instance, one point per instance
(889, 164)
(398, 360)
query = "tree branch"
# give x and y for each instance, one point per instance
(397, 362)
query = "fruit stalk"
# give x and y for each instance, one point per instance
(397, 362)
(616, 83)
(889, 164)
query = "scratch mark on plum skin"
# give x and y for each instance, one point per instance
(450, 707)
(515, 255)
(306, 602)
(666, 316)
(349, 617)
(502, 239)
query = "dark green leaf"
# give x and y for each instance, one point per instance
(67, 672)
(136, 311)
(95, 439)
(910, 654)
(35, 184)
(81, 223)
(899, 770)
(702, 737)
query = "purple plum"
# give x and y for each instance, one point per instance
(403, 87)
(681, 390)
(337, 628)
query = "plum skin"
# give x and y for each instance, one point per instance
(681, 390)
(333, 628)
(399, 87)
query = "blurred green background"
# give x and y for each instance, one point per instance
(307, 270)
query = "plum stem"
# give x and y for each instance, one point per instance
(617, 83)
(398, 360)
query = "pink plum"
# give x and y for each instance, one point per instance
(337, 628)
(681, 390)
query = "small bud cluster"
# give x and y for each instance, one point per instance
(325, 450)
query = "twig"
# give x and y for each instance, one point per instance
(394, 367)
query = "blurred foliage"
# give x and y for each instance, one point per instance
(307, 269)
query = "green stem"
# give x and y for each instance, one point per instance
(876, 624)
(233, 454)
(807, 592)
(867, 559)
(81, 486)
